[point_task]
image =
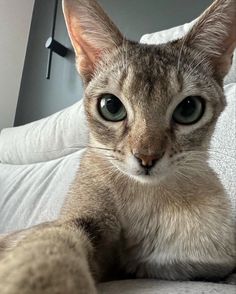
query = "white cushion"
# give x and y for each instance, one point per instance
(34, 193)
(52, 137)
(223, 145)
(167, 35)
(164, 287)
(178, 32)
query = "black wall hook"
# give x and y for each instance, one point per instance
(56, 47)
(53, 45)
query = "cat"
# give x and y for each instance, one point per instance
(145, 203)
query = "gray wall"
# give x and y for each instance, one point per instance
(138, 17)
(12, 56)
(39, 97)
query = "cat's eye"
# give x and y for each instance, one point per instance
(189, 111)
(111, 108)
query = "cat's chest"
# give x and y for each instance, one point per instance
(155, 234)
(170, 233)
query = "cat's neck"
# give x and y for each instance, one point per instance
(175, 186)
(98, 177)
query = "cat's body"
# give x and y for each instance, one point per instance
(156, 231)
(145, 202)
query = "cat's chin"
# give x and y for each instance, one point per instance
(148, 179)
(145, 179)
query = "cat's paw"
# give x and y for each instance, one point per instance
(40, 267)
(34, 277)
(27, 284)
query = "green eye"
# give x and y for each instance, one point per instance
(111, 108)
(189, 111)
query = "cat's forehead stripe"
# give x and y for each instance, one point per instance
(147, 77)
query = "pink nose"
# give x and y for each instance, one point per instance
(148, 161)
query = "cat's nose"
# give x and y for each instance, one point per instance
(148, 161)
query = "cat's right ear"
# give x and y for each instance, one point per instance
(214, 34)
(92, 33)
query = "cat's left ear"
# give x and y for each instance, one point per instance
(215, 35)
(92, 33)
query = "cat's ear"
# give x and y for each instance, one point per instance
(215, 34)
(92, 33)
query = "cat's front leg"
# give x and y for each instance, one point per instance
(56, 260)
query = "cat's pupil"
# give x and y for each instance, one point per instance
(188, 108)
(113, 105)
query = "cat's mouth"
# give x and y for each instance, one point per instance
(134, 170)
(147, 172)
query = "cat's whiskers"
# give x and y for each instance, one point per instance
(106, 169)
(194, 162)
(212, 151)
(222, 148)
(192, 69)
(110, 157)
(183, 176)
(222, 154)
(100, 148)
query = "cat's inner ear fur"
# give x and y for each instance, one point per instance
(91, 32)
(215, 35)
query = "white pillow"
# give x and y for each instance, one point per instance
(178, 32)
(52, 137)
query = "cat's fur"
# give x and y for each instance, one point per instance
(176, 222)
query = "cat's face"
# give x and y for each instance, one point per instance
(152, 109)
(151, 118)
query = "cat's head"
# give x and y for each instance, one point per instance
(152, 109)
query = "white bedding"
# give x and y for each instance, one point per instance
(34, 193)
